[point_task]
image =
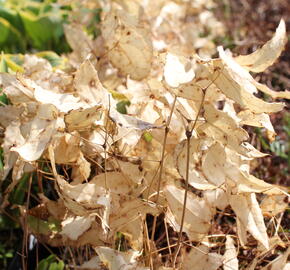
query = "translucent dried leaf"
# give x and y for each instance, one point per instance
(88, 86)
(232, 84)
(199, 258)
(78, 40)
(246, 183)
(63, 102)
(197, 177)
(42, 127)
(81, 170)
(66, 148)
(213, 164)
(129, 219)
(74, 226)
(12, 137)
(273, 205)
(250, 216)
(133, 171)
(94, 264)
(230, 260)
(116, 260)
(274, 94)
(127, 121)
(177, 70)
(262, 58)
(217, 198)
(16, 88)
(80, 198)
(258, 120)
(197, 215)
(9, 114)
(82, 119)
(129, 44)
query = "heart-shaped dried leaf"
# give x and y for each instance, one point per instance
(129, 44)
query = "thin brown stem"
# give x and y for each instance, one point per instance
(166, 131)
(188, 137)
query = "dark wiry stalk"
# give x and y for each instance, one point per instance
(161, 165)
(188, 137)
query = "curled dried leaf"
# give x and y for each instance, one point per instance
(262, 58)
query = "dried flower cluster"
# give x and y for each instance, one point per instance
(178, 148)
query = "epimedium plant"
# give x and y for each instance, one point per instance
(137, 124)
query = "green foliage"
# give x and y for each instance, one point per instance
(51, 263)
(17, 196)
(30, 24)
(147, 136)
(43, 226)
(121, 106)
(5, 254)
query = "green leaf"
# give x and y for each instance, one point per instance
(147, 136)
(11, 63)
(43, 226)
(3, 64)
(56, 266)
(53, 58)
(17, 196)
(3, 98)
(12, 16)
(118, 96)
(121, 106)
(10, 36)
(38, 29)
(50, 263)
(4, 30)
(44, 263)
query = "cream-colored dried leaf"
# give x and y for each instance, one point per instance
(177, 70)
(264, 57)
(18, 89)
(80, 198)
(83, 119)
(129, 44)
(93, 263)
(230, 260)
(129, 219)
(74, 226)
(66, 147)
(213, 164)
(8, 114)
(79, 41)
(197, 178)
(258, 120)
(233, 86)
(250, 216)
(199, 258)
(81, 170)
(42, 127)
(274, 204)
(88, 86)
(116, 260)
(12, 136)
(197, 214)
